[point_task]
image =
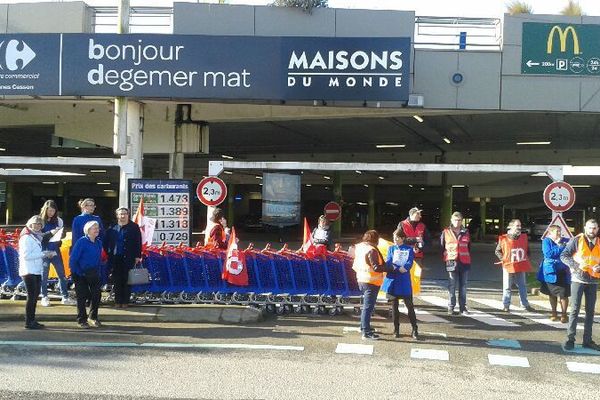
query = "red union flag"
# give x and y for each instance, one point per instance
(146, 224)
(235, 271)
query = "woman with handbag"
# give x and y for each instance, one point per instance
(123, 245)
(85, 262)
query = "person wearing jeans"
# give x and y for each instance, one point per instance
(582, 255)
(456, 242)
(369, 267)
(52, 222)
(513, 252)
(31, 258)
(85, 269)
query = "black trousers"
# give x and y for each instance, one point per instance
(33, 285)
(120, 274)
(408, 301)
(87, 287)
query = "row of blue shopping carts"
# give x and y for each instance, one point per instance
(279, 281)
(9, 266)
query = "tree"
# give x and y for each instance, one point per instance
(572, 9)
(305, 5)
(519, 7)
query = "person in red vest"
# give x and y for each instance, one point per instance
(582, 255)
(217, 232)
(513, 252)
(416, 233)
(456, 242)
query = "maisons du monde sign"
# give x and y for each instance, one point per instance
(205, 67)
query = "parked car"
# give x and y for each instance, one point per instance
(538, 227)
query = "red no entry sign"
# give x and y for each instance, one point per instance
(332, 211)
(559, 196)
(211, 191)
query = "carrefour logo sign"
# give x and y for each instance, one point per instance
(15, 54)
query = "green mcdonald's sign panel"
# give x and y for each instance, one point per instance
(560, 49)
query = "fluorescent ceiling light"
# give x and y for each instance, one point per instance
(458, 186)
(581, 186)
(381, 177)
(418, 118)
(308, 185)
(327, 177)
(103, 183)
(447, 140)
(99, 171)
(358, 172)
(532, 143)
(410, 185)
(258, 177)
(109, 190)
(49, 183)
(2, 149)
(391, 203)
(228, 172)
(360, 203)
(422, 188)
(226, 156)
(366, 185)
(390, 146)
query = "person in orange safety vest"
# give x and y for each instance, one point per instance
(369, 266)
(456, 243)
(582, 255)
(513, 252)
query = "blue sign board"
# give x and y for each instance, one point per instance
(205, 67)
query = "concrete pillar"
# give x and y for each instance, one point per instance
(502, 220)
(337, 197)
(446, 206)
(482, 214)
(230, 204)
(10, 202)
(371, 214)
(176, 159)
(132, 113)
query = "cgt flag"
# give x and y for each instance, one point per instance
(235, 271)
(146, 224)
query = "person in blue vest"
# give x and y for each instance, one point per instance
(397, 283)
(52, 222)
(123, 244)
(87, 206)
(555, 275)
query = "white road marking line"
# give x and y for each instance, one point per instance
(435, 334)
(347, 348)
(583, 367)
(231, 346)
(422, 315)
(521, 312)
(429, 354)
(480, 316)
(348, 329)
(509, 361)
(546, 305)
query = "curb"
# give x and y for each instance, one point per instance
(207, 313)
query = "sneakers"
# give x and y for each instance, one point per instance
(94, 323)
(45, 301)
(465, 312)
(569, 345)
(370, 336)
(396, 334)
(529, 308)
(506, 309)
(591, 345)
(68, 301)
(415, 334)
(452, 312)
(83, 325)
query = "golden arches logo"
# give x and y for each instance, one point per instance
(562, 38)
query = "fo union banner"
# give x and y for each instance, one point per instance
(205, 67)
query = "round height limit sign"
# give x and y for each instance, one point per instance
(211, 191)
(559, 196)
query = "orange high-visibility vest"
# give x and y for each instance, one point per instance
(514, 253)
(456, 249)
(365, 272)
(417, 231)
(587, 258)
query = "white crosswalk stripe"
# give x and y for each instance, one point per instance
(430, 354)
(546, 305)
(480, 316)
(349, 348)
(423, 316)
(508, 361)
(583, 367)
(521, 312)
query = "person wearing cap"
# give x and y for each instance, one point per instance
(416, 232)
(85, 262)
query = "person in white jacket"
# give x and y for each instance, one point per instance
(31, 264)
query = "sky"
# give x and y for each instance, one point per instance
(443, 8)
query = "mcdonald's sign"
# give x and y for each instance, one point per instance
(560, 49)
(563, 34)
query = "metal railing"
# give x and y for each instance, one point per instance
(430, 32)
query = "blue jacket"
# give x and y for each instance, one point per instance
(125, 241)
(78, 224)
(551, 265)
(85, 255)
(48, 226)
(397, 283)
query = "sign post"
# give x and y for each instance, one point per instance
(559, 197)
